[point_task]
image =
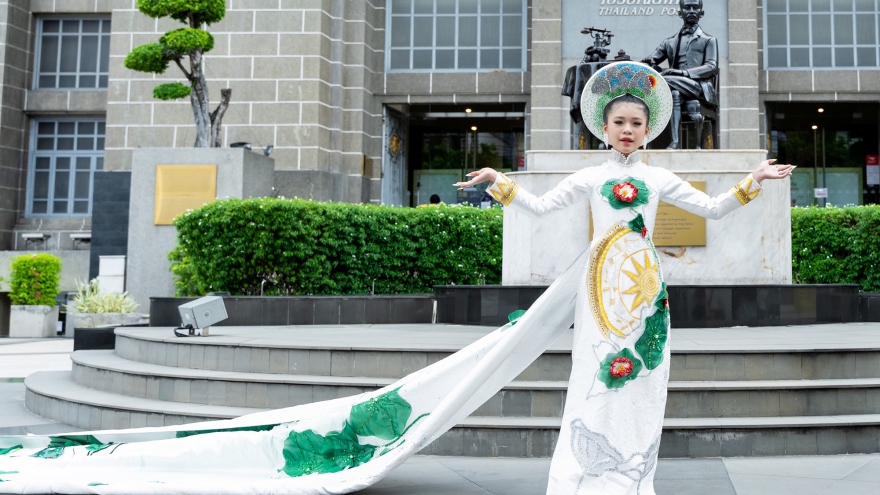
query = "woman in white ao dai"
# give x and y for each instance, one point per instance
(613, 417)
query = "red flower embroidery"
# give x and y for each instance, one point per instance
(645, 232)
(625, 191)
(621, 367)
(653, 80)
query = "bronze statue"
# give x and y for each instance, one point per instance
(692, 74)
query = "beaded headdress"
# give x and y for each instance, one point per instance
(622, 78)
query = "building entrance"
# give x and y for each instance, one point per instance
(448, 141)
(835, 146)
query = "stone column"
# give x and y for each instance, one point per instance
(739, 96)
(548, 119)
(16, 29)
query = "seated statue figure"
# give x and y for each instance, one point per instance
(693, 65)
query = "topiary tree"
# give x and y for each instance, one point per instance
(191, 43)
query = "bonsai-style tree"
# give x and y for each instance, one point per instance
(190, 43)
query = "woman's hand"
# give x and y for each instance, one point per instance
(483, 175)
(769, 170)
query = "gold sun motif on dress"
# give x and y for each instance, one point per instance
(646, 282)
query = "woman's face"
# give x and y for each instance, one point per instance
(626, 127)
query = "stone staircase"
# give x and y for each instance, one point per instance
(722, 402)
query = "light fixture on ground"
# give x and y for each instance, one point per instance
(815, 127)
(197, 316)
(821, 110)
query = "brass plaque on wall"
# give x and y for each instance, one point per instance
(676, 227)
(182, 187)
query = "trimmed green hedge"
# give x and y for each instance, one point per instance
(34, 279)
(836, 246)
(304, 247)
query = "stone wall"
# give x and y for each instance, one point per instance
(16, 58)
(302, 73)
(740, 111)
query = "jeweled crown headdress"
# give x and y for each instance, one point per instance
(622, 78)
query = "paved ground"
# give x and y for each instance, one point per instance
(430, 475)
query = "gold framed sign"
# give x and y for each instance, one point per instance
(182, 187)
(678, 228)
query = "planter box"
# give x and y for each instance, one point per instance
(33, 321)
(78, 321)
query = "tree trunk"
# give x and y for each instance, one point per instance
(200, 99)
(217, 118)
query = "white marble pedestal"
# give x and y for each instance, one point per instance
(750, 246)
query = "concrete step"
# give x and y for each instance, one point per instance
(103, 370)
(53, 395)
(300, 356)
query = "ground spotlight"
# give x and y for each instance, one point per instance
(197, 316)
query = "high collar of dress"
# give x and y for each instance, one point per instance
(626, 161)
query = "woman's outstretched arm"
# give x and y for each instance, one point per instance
(680, 193)
(571, 190)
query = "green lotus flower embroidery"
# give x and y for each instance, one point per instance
(385, 417)
(626, 193)
(619, 368)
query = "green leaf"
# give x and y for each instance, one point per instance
(307, 452)
(73, 441)
(182, 41)
(637, 224)
(182, 434)
(49, 453)
(653, 340)
(171, 91)
(10, 449)
(515, 316)
(152, 58)
(202, 11)
(384, 416)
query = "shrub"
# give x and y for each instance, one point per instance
(34, 279)
(90, 300)
(305, 247)
(836, 245)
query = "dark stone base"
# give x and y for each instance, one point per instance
(691, 306)
(92, 339)
(306, 310)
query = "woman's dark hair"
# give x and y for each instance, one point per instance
(627, 98)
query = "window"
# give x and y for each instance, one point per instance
(73, 53)
(456, 35)
(64, 156)
(820, 34)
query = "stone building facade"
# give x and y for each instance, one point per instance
(356, 102)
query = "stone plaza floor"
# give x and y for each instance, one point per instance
(432, 475)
